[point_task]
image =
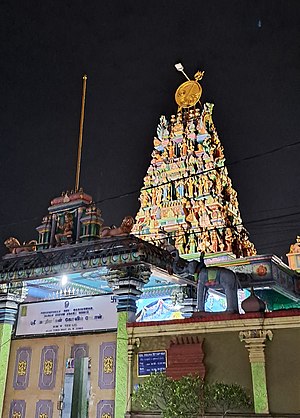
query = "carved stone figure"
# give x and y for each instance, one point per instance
(205, 184)
(215, 277)
(204, 219)
(144, 198)
(171, 150)
(192, 244)
(124, 229)
(224, 278)
(15, 247)
(204, 242)
(214, 239)
(180, 241)
(166, 191)
(65, 236)
(180, 189)
(295, 248)
(184, 148)
(190, 187)
(228, 238)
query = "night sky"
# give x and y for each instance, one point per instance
(250, 51)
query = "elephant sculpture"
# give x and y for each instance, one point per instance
(208, 277)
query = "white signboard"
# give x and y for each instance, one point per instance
(92, 313)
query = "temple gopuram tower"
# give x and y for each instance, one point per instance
(188, 198)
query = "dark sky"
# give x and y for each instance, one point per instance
(250, 51)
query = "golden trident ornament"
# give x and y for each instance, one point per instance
(188, 93)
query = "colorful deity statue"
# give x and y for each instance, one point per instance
(192, 244)
(65, 230)
(180, 241)
(215, 241)
(228, 238)
(204, 242)
(295, 248)
(180, 189)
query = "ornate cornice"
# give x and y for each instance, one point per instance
(105, 252)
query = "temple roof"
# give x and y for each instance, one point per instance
(87, 266)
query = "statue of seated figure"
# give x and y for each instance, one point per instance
(65, 236)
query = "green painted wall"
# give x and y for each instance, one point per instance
(121, 366)
(283, 371)
(225, 358)
(5, 340)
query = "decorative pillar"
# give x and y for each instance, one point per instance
(78, 227)
(127, 283)
(53, 230)
(189, 301)
(133, 344)
(255, 344)
(8, 313)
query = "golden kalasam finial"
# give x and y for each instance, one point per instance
(188, 93)
(80, 133)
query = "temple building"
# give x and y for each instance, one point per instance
(188, 196)
(88, 312)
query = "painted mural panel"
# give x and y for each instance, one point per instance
(48, 365)
(107, 366)
(44, 409)
(79, 351)
(105, 409)
(17, 409)
(22, 368)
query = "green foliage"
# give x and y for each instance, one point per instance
(173, 398)
(188, 396)
(224, 397)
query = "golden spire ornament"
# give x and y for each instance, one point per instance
(188, 93)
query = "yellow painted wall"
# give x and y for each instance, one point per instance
(33, 394)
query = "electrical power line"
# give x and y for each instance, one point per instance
(133, 192)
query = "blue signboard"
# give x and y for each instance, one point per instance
(151, 362)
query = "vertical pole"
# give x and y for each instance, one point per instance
(80, 134)
(80, 388)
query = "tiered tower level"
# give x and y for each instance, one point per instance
(188, 199)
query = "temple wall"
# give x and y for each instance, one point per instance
(283, 371)
(226, 358)
(37, 384)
